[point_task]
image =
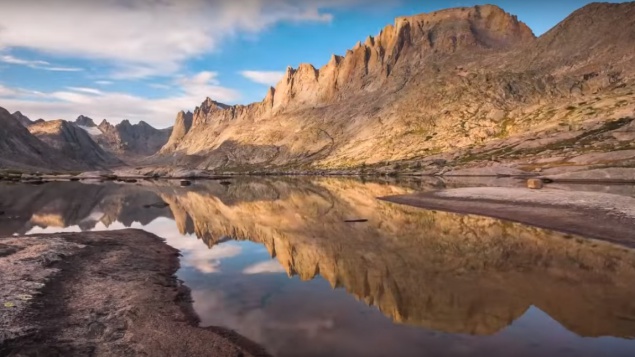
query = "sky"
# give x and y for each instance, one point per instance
(148, 59)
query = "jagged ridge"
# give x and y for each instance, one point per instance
(427, 84)
(74, 143)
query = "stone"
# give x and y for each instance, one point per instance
(185, 183)
(535, 184)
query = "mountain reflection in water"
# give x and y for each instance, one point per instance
(430, 282)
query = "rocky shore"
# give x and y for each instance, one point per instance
(595, 215)
(102, 294)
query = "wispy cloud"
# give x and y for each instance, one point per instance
(104, 83)
(270, 78)
(14, 60)
(134, 35)
(37, 64)
(85, 90)
(72, 101)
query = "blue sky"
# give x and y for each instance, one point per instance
(148, 59)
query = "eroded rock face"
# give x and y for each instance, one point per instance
(446, 82)
(181, 127)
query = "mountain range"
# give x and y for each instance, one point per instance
(462, 87)
(450, 91)
(79, 145)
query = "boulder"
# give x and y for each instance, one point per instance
(535, 184)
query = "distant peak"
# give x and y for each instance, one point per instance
(210, 104)
(84, 121)
(104, 123)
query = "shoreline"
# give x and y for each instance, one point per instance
(589, 220)
(103, 294)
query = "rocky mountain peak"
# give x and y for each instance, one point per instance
(400, 47)
(85, 121)
(182, 126)
(440, 82)
(73, 142)
(23, 119)
(132, 141)
(208, 106)
(105, 125)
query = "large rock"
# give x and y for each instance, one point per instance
(181, 127)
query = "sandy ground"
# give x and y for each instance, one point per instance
(101, 294)
(594, 215)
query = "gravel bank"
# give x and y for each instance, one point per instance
(101, 294)
(594, 215)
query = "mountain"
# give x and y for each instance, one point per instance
(131, 141)
(23, 119)
(19, 149)
(181, 127)
(85, 121)
(73, 142)
(464, 86)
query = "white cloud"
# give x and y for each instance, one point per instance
(36, 64)
(270, 78)
(61, 69)
(104, 83)
(145, 37)
(266, 267)
(86, 90)
(116, 106)
(14, 60)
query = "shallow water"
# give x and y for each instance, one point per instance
(274, 260)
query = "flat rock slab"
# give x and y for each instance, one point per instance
(102, 294)
(593, 215)
(614, 174)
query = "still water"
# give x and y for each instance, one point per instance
(274, 260)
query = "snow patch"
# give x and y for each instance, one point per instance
(94, 131)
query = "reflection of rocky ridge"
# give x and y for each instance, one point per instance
(65, 204)
(444, 271)
(58, 204)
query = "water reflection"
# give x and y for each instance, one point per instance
(410, 281)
